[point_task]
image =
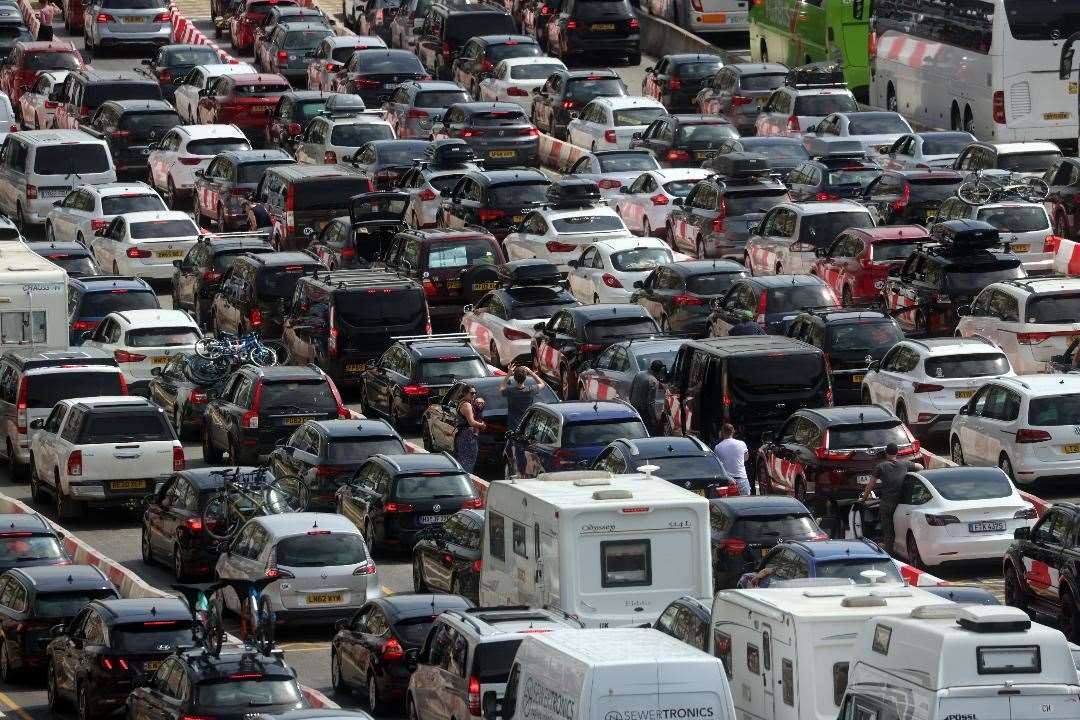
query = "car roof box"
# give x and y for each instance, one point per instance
(343, 105)
(531, 272)
(573, 193)
(741, 164)
(816, 75)
(823, 147)
(962, 236)
(451, 152)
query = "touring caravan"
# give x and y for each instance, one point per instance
(611, 550)
(33, 300)
(787, 650)
(961, 661)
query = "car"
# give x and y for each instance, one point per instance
(735, 91)
(609, 123)
(39, 599)
(92, 298)
(447, 557)
(909, 197)
(290, 48)
(566, 91)
(783, 154)
(330, 139)
(197, 277)
(37, 103)
(144, 244)
(1025, 226)
(1040, 570)
(90, 208)
(29, 60)
(182, 394)
(787, 238)
(773, 301)
(679, 295)
(559, 232)
(499, 133)
(498, 200)
(476, 58)
(618, 37)
(448, 26)
(325, 454)
(248, 18)
(445, 162)
(231, 177)
(413, 108)
(374, 74)
(74, 258)
(13, 30)
(684, 140)
(280, 16)
(1028, 159)
(877, 130)
(983, 502)
(185, 149)
(859, 261)
(806, 97)
(608, 270)
(612, 170)
(384, 161)
(515, 79)
(101, 653)
(744, 529)
(924, 150)
(688, 619)
(793, 560)
(1063, 180)
(141, 340)
(29, 540)
(130, 127)
(295, 109)
(838, 170)
(172, 62)
(926, 381)
(368, 650)
(74, 457)
(122, 23)
(282, 397)
(189, 88)
(413, 372)
(331, 54)
(242, 101)
(438, 426)
(534, 17)
(677, 79)
(683, 461)
(395, 497)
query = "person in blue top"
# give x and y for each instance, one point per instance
(746, 325)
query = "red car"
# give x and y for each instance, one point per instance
(27, 59)
(244, 25)
(246, 101)
(858, 262)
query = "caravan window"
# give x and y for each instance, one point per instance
(787, 676)
(519, 540)
(1008, 660)
(722, 650)
(626, 563)
(753, 659)
(22, 327)
(497, 535)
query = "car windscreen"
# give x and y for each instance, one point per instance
(891, 250)
(615, 329)
(214, 146)
(297, 396)
(443, 372)
(534, 71)
(765, 81)
(967, 366)
(250, 173)
(67, 604)
(712, 283)
(248, 694)
(357, 134)
(47, 389)
(756, 201)
(29, 548)
(461, 27)
(98, 92)
(146, 122)
(965, 279)
(852, 569)
(784, 153)
(492, 661)
(1052, 309)
(439, 98)
(514, 195)
(154, 636)
(640, 259)
(496, 53)
(585, 89)
(305, 39)
(74, 265)
(822, 105)
(820, 230)
(867, 435)
(959, 485)
(855, 176)
(352, 451)
(51, 60)
(627, 162)
(328, 193)
(698, 70)
(321, 549)
(135, 425)
(388, 63)
(765, 528)
(587, 224)
(680, 188)
(601, 432)
(1027, 162)
(162, 337)
(754, 375)
(100, 304)
(675, 469)
(704, 134)
(1016, 219)
(131, 202)
(463, 253)
(797, 297)
(876, 123)
(71, 159)
(380, 308)
(156, 229)
(868, 336)
(636, 116)
(432, 486)
(923, 189)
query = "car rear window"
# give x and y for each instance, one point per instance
(867, 435)
(934, 188)
(1016, 219)
(357, 134)
(698, 70)
(1052, 309)
(680, 188)
(780, 372)
(305, 39)
(640, 259)
(133, 202)
(495, 401)
(585, 89)
(755, 201)
(712, 283)
(251, 173)
(853, 176)
(704, 134)
(440, 98)
(967, 366)
(215, 146)
(330, 193)
(534, 71)
(627, 162)
(441, 372)
(763, 528)
(388, 63)
(820, 230)
(135, 425)
(880, 251)
(143, 122)
(498, 118)
(460, 27)
(67, 604)
(403, 152)
(248, 694)
(1027, 162)
(675, 469)
(278, 283)
(587, 224)
(496, 53)
(298, 396)
(10, 34)
(227, 258)
(463, 253)
(379, 308)
(76, 264)
(797, 297)
(948, 145)
(321, 549)
(47, 389)
(609, 331)
(602, 432)
(51, 61)
(77, 158)
(761, 82)
(966, 279)
(432, 487)
(961, 485)
(871, 124)
(636, 116)
(192, 55)
(413, 631)
(539, 308)
(444, 183)
(492, 661)
(342, 451)
(100, 304)
(162, 337)
(1054, 411)
(778, 152)
(852, 569)
(29, 548)
(822, 105)
(156, 636)
(866, 335)
(157, 229)
(98, 92)
(514, 195)
(132, 4)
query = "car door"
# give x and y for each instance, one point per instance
(1042, 555)
(541, 444)
(998, 426)
(153, 516)
(970, 426)
(581, 277)
(43, 445)
(443, 418)
(913, 493)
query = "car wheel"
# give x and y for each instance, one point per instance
(890, 98)
(1014, 591)
(1068, 616)
(425, 438)
(66, 508)
(646, 228)
(800, 490)
(337, 680)
(969, 120)
(115, 268)
(418, 576)
(1006, 466)
(50, 236)
(82, 706)
(36, 495)
(901, 413)
(144, 545)
(954, 117)
(866, 398)
(52, 690)
(913, 556)
(170, 195)
(196, 212)
(496, 360)
(180, 569)
(410, 709)
(371, 697)
(956, 452)
(762, 478)
(508, 472)
(699, 246)
(234, 453)
(6, 673)
(18, 473)
(210, 453)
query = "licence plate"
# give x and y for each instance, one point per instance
(132, 20)
(1070, 448)
(355, 368)
(1072, 88)
(294, 421)
(598, 27)
(127, 485)
(454, 284)
(502, 153)
(432, 519)
(856, 379)
(964, 394)
(862, 479)
(700, 491)
(151, 666)
(1019, 248)
(519, 219)
(479, 287)
(259, 110)
(169, 253)
(161, 360)
(1057, 115)
(931, 214)
(986, 526)
(705, 154)
(325, 598)
(714, 18)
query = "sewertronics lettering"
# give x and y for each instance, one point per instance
(695, 713)
(543, 702)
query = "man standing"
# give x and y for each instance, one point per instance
(733, 455)
(644, 389)
(889, 478)
(519, 388)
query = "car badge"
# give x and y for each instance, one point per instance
(869, 359)
(323, 576)
(436, 508)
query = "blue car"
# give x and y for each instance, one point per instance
(90, 299)
(567, 435)
(834, 559)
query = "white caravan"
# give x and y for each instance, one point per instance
(33, 300)
(610, 550)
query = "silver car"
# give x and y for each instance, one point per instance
(114, 23)
(324, 565)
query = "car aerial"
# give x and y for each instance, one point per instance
(172, 62)
(445, 162)
(120, 23)
(384, 161)
(28, 540)
(476, 59)
(608, 270)
(231, 177)
(613, 30)
(102, 652)
(189, 89)
(29, 60)
(77, 479)
(859, 261)
(144, 244)
(497, 200)
(439, 423)
(243, 101)
(922, 150)
(612, 170)
(609, 123)
(331, 54)
(515, 79)
(735, 90)
(89, 208)
(185, 149)
(290, 49)
(325, 454)
(413, 372)
(1028, 159)
(144, 339)
(684, 461)
(37, 104)
(329, 139)
(926, 381)
(839, 169)
(677, 79)
(130, 127)
(787, 238)
(783, 154)
(794, 560)
(687, 619)
(1024, 226)
(197, 277)
(92, 298)
(1040, 567)
(447, 557)
(499, 133)
(392, 498)
(876, 130)
(805, 98)
(569, 90)
(295, 109)
(261, 406)
(684, 140)
(679, 295)
(374, 74)
(449, 26)
(368, 650)
(773, 301)
(412, 107)
(248, 18)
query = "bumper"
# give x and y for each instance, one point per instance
(138, 387)
(37, 210)
(938, 425)
(94, 493)
(150, 271)
(1027, 470)
(629, 45)
(296, 78)
(442, 312)
(315, 616)
(158, 36)
(945, 549)
(529, 155)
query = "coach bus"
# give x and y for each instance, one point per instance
(989, 67)
(797, 32)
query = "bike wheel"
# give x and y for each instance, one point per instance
(208, 348)
(219, 519)
(1036, 190)
(287, 494)
(262, 356)
(215, 624)
(199, 633)
(264, 626)
(974, 192)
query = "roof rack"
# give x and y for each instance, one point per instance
(816, 75)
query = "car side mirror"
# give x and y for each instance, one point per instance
(178, 263)
(821, 252)
(100, 232)
(649, 69)
(24, 88)
(178, 80)
(58, 203)
(37, 424)
(145, 61)
(963, 410)
(963, 310)
(539, 327)
(875, 365)
(492, 706)
(573, 114)
(1022, 533)
(768, 436)
(624, 190)
(412, 658)
(636, 136)
(58, 629)
(467, 308)
(155, 371)
(200, 173)
(88, 335)
(678, 201)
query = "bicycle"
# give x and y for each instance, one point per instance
(257, 617)
(248, 348)
(245, 495)
(980, 188)
(208, 626)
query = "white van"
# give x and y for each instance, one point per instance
(33, 300)
(961, 661)
(622, 674)
(609, 550)
(787, 650)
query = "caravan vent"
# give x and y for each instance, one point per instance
(935, 612)
(576, 476)
(834, 591)
(862, 601)
(614, 494)
(993, 619)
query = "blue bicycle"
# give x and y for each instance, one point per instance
(248, 348)
(207, 603)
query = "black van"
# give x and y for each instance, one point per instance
(345, 319)
(448, 26)
(753, 381)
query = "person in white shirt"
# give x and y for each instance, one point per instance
(733, 455)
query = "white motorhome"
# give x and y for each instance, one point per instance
(33, 300)
(961, 661)
(619, 674)
(611, 550)
(787, 650)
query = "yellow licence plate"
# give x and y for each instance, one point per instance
(714, 18)
(325, 598)
(1057, 116)
(501, 153)
(519, 219)
(931, 214)
(480, 287)
(700, 491)
(169, 253)
(151, 666)
(597, 27)
(453, 284)
(1019, 248)
(355, 368)
(159, 360)
(1072, 88)
(294, 421)
(857, 378)
(127, 484)
(1070, 448)
(964, 394)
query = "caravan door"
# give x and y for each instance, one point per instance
(768, 676)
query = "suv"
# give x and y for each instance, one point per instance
(291, 46)
(255, 291)
(499, 133)
(495, 200)
(469, 653)
(142, 340)
(198, 275)
(410, 107)
(679, 295)
(1040, 555)
(130, 127)
(344, 319)
(568, 91)
(118, 23)
(129, 448)
(1025, 226)
(738, 376)
(28, 59)
(1031, 159)
(790, 235)
(837, 170)
(587, 29)
(783, 153)
(32, 381)
(808, 94)
(899, 197)
(449, 25)
(219, 191)
(89, 208)
(859, 261)
(735, 90)
(260, 406)
(33, 532)
(773, 300)
(90, 299)
(676, 79)
(744, 528)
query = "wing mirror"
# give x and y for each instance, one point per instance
(1022, 533)
(539, 327)
(639, 284)
(341, 624)
(37, 424)
(963, 310)
(821, 252)
(155, 371)
(572, 263)
(59, 629)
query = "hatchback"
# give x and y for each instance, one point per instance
(499, 133)
(447, 557)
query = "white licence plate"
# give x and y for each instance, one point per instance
(432, 519)
(862, 479)
(987, 526)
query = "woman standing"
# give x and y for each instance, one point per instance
(469, 426)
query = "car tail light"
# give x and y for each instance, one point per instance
(901, 202)
(427, 194)
(674, 154)
(941, 520)
(161, 17)
(568, 104)
(416, 390)
(277, 573)
(826, 196)
(611, 281)
(685, 299)
(112, 663)
(489, 214)
(179, 462)
(83, 325)
(571, 24)
(136, 252)
(999, 107)
(733, 546)
(513, 91)
(740, 100)
(1027, 435)
(250, 419)
(762, 301)
(823, 453)
(608, 184)
(118, 134)
(366, 568)
(396, 507)
(590, 347)
(295, 129)
(1051, 243)
(123, 356)
(659, 199)
(545, 10)
(555, 246)
(927, 387)
(328, 471)
(609, 136)
(471, 132)
(50, 105)
(1032, 338)
(211, 276)
(477, 565)
(871, 45)
(22, 402)
(104, 18)
(674, 84)
(31, 192)
(189, 160)
(473, 504)
(194, 524)
(474, 696)
(529, 132)
(416, 114)
(329, 157)
(512, 334)
(1028, 513)
(74, 463)
(282, 56)
(255, 317)
(429, 289)
(721, 215)
(793, 124)
(486, 66)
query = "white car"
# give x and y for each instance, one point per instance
(610, 123)
(607, 269)
(502, 324)
(958, 514)
(647, 203)
(101, 451)
(1024, 225)
(613, 170)
(142, 340)
(1024, 425)
(144, 244)
(787, 239)
(90, 208)
(426, 186)
(925, 382)
(559, 235)
(198, 79)
(877, 131)
(1031, 320)
(916, 151)
(37, 106)
(329, 140)
(513, 80)
(792, 110)
(185, 149)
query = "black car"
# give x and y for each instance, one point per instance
(219, 191)
(449, 25)
(255, 291)
(684, 140)
(439, 423)
(567, 91)
(75, 258)
(413, 372)
(1063, 201)
(684, 461)
(773, 301)
(91, 298)
(368, 652)
(291, 115)
(374, 74)
(193, 683)
(839, 176)
(909, 197)
(586, 28)
(679, 296)
(108, 649)
(744, 528)
(479, 56)
(181, 394)
(129, 128)
(326, 453)
(500, 133)
(384, 161)
(447, 557)
(497, 200)
(172, 62)
(676, 79)
(197, 277)
(261, 406)
(688, 619)
(783, 153)
(1039, 553)
(28, 540)
(35, 599)
(393, 498)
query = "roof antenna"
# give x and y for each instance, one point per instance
(70, 579)
(316, 523)
(153, 609)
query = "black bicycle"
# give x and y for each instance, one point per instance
(249, 494)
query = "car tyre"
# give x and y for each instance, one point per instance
(800, 490)
(210, 453)
(1006, 467)
(337, 680)
(568, 388)
(144, 546)
(914, 557)
(7, 673)
(36, 495)
(1068, 616)
(901, 413)
(66, 508)
(234, 453)
(18, 473)
(82, 705)
(410, 709)
(170, 194)
(180, 569)
(762, 479)
(496, 360)
(866, 399)
(372, 701)
(699, 247)
(52, 690)
(956, 451)
(1014, 590)
(845, 297)
(425, 438)
(890, 99)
